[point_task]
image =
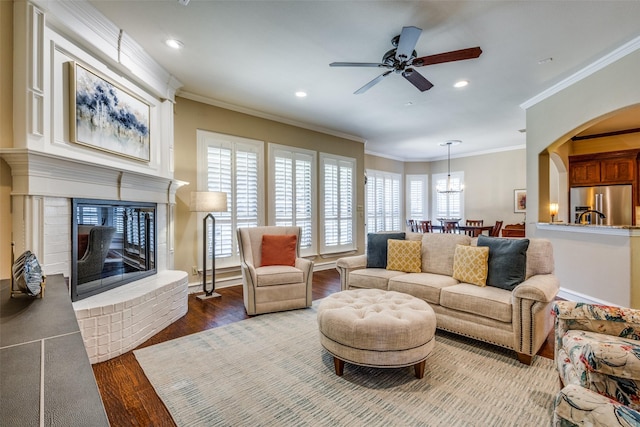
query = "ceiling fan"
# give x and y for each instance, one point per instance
(402, 59)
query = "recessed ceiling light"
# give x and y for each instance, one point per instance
(174, 44)
(461, 83)
(301, 94)
(545, 60)
(408, 104)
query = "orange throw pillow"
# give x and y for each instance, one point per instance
(279, 249)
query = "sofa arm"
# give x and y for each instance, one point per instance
(348, 264)
(542, 287)
(581, 406)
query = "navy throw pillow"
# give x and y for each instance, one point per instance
(507, 261)
(377, 248)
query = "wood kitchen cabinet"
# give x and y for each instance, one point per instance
(617, 167)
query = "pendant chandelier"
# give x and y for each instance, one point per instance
(448, 189)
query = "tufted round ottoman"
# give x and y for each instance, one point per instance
(372, 327)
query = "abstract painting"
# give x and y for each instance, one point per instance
(107, 117)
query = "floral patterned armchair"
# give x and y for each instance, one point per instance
(597, 353)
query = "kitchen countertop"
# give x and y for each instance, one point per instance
(621, 230)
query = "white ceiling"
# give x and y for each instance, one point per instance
(254, 55)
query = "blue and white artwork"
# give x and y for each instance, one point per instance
(108, 117)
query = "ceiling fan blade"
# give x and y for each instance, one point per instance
(417, 79)
(455, 55)
(407, 43)
(356, 64)
(372, 83)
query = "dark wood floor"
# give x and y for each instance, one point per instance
(129, 398)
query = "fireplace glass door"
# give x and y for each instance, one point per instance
(113, 243)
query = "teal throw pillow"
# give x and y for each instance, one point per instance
(377, 248)
(507, 261)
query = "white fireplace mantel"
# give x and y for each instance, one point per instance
(41, 174)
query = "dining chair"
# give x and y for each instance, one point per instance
(425, 226)
(495, 231)
(413, 226)
(474, 223)
(450, 227)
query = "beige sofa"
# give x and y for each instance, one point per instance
(519, 319)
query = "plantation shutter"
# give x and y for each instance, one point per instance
(383, 201)
(454, 200)
(232, 165)
(417, 207)
(293, 192)
(338, 184)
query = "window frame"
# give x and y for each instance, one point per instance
(396, 179)
(206, 139)
(274, 149)
(352, 163)
(435, 178)
(424, 179)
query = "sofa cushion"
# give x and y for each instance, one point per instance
(278, 275)
(438, 250)
(470, 264)
(487, 301)
(425, 286)
(404, 255)
(376, 278)
(507, 261)
(377, 248)
(539, 257)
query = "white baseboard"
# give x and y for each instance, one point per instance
(195, 287)
(570, 295)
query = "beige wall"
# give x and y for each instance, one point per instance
(489, 180)
(553, 121)
(191, 116)
(6, 131)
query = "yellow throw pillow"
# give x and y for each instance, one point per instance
(404, 255)
(471, 264)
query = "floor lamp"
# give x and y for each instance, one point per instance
(208, 201)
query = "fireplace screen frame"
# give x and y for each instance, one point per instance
(125, 232)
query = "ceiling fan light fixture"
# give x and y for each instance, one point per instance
(461, 83)
(174, 43)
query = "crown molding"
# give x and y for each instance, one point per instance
(457, 156)
(85, 24)
(268, 116)
(598, 65)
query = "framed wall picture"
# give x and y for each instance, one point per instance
(520, 201)
(106, 116)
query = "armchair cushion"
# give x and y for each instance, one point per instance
(278, 275)
(576, 405)
(279, 249)
(604, 354)
(377, 248)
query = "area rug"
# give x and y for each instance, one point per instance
(271, 370)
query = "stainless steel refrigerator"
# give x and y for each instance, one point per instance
(614, 201)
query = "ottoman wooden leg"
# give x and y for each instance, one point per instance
(419, 369)
(339, 365)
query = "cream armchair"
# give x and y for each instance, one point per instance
(597, 348)
(272, 288)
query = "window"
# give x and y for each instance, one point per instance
(233, 165)
(448, 205)
(293, 192)
(417, 205)
(383, 201)
(337, 213)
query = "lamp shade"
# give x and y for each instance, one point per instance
(208, 201)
